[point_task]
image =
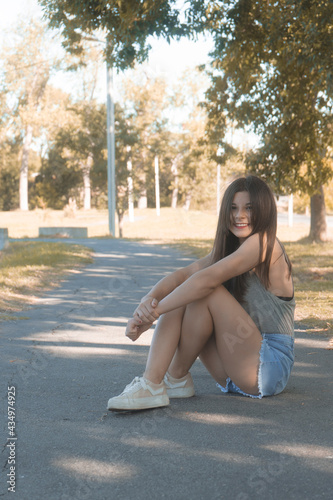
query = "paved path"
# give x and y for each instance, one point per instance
(70, 355)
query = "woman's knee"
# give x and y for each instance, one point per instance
(173, 316)
(197, 305)
(221, 295)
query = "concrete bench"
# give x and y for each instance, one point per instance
(3, 238)
(63, 232)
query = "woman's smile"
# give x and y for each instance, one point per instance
(241, 215)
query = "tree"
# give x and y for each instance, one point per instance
(128, 183)
(145, 101)
(9, 149)
(194, 167)
(127, 25)
(27, 65)
(273, 72)
(9, 174)
(79, 144)
(186, 171)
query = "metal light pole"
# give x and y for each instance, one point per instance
(110, 134)
(111, 152)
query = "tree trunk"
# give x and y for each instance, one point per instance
(24, 169)
(86, 182)
(120, 222)
(130, 190)
(318, 228)
(187, 203)
(174, 170)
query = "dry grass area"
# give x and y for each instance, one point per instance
(22, 224)
(170, 225)
(313, 277)
(193, 231)
(173, 225)
(27, 269)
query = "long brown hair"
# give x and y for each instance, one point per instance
(263, 221)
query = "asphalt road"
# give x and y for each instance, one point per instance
(68, 355)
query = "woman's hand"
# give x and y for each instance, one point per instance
(135, 328)
(146, 311)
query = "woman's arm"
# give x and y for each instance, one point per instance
(204, 281)
(146, 310)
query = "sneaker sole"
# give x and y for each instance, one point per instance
(142, 404)
(180, 393)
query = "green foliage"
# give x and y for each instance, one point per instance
(145, 100)
(147, 105)
(9, 175)
(125, 28)
(27, 65)
(197, 172)
(302, 200)
(72, 136)
(273, 72)
(83, 134)
(328, 190)
(142, 132)
(127, 25)
(126, 143)
(56, 181)
(195, 158)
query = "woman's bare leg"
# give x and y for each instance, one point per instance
(167, 342)
(164, 344)
(233, 349)
(197, 327)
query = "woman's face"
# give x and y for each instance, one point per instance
(240, 216)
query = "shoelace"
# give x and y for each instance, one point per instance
(136, 380)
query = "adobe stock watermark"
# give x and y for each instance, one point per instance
(84, 488)
(40, 356)
(245, 328)
(243, 331)
(11, 439)
(261, 481)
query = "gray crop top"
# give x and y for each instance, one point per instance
(270, 313)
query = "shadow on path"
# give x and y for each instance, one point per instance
(71, 355)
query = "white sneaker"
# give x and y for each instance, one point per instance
(140, 394)
(179, 387)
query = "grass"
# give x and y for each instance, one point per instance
(174, 225)
(169, 226)
(192, 231)
(23, 224)
(313, 278)
(27, 269)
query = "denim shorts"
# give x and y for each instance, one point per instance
(276, 362)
